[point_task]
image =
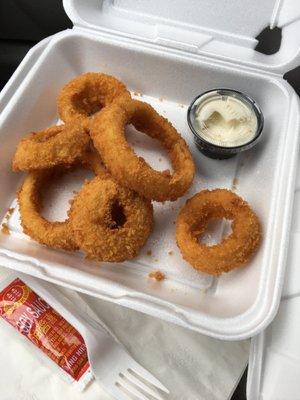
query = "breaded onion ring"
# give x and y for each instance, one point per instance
(110, 223)
(234, 250)
(58, 145)
(107, 130)
(86, 94)
(53, 234)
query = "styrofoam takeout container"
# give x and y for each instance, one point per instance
(170, 52)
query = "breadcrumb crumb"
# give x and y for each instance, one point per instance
(157, 275)
(5, 229)
(149, 253)
(10, 211)
(170, 253)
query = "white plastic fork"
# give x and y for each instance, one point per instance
(121, 376)
(113, 367)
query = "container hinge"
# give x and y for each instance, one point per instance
(180, 39)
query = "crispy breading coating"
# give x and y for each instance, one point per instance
(107, 130)
(55, 234)
(110, 223)
(86, 94)
(57, 145)
(233, 251)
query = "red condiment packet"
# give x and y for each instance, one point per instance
(35, 319)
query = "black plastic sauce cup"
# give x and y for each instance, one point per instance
(221, 152)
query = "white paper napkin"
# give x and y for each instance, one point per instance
(192, 366)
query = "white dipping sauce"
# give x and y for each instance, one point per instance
(225, 121)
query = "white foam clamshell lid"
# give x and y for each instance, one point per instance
(221, 29)
(234, 306)
(274, 364)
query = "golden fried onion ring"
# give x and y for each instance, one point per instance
(234, 250)
(110, 223)
(53, 234)
(88, 93)
(107, 130)
(57, 145)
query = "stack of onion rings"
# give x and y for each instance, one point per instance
(234, 250)
(53, 151)
(107, 130)
(110, 222)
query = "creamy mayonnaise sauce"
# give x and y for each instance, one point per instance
(225, 121)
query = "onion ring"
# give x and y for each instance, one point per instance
(107, 130)
(53, 234)
(57, 145)
(111, 223)
(234, 250)
(87, 94)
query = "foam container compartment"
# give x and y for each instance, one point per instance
(169, 62)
